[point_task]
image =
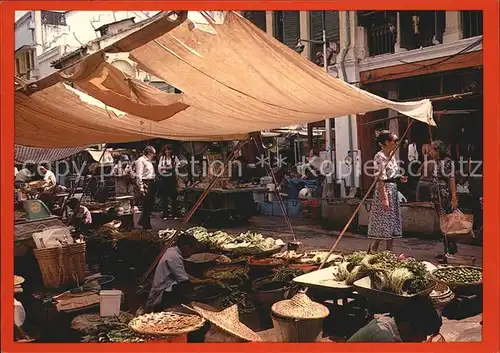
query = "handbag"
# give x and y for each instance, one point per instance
(456, 223)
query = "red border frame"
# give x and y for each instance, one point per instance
(490, 341)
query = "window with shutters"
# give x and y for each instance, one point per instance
(287, 27)
(316, 31)
(258, 18)
(472, 23)
(53, 18)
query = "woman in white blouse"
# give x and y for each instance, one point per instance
(385, 216)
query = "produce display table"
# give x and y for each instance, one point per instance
(324, 280)
(223, 206)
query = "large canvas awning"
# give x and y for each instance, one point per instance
(235, 79)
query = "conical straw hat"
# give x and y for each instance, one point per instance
(227, 320)
(300, 307)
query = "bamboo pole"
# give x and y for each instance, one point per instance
(363, 200)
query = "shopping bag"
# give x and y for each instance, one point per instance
(55, 236)
(456, 223)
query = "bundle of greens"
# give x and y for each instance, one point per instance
(248, 243)
(113, 330)
(385, 260)
(236, 296)
(350, 270)
(402, 277)
(386, 271)
(286, 274)
(419, 279)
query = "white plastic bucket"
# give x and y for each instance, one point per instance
(110, 302)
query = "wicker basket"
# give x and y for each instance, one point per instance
(441, 296)
(62, 265)
(460, 288)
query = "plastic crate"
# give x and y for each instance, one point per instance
(292, 208)
(293, 189)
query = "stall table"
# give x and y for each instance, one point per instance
(224, 206)
(348, 312)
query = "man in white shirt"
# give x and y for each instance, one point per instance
(48, 175)
(25, 174)
(169, 184)
(146, 183)
(123, 177)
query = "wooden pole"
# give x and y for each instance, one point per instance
(363, 200)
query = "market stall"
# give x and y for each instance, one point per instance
(223, 207)
(246, 276)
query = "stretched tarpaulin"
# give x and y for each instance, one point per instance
(35, 155)
(252, 81)
(108, 84)
(59, 116)
(130, 38)
(236, 79)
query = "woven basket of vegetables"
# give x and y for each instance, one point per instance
(232, 275)
(460, 279)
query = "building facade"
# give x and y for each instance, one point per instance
(399, 55)
(42, 37)
(412, 55)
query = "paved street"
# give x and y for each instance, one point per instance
(313, 236)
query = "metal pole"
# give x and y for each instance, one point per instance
(328, 122)
(85, 188)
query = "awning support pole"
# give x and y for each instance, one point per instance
(73, 189)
